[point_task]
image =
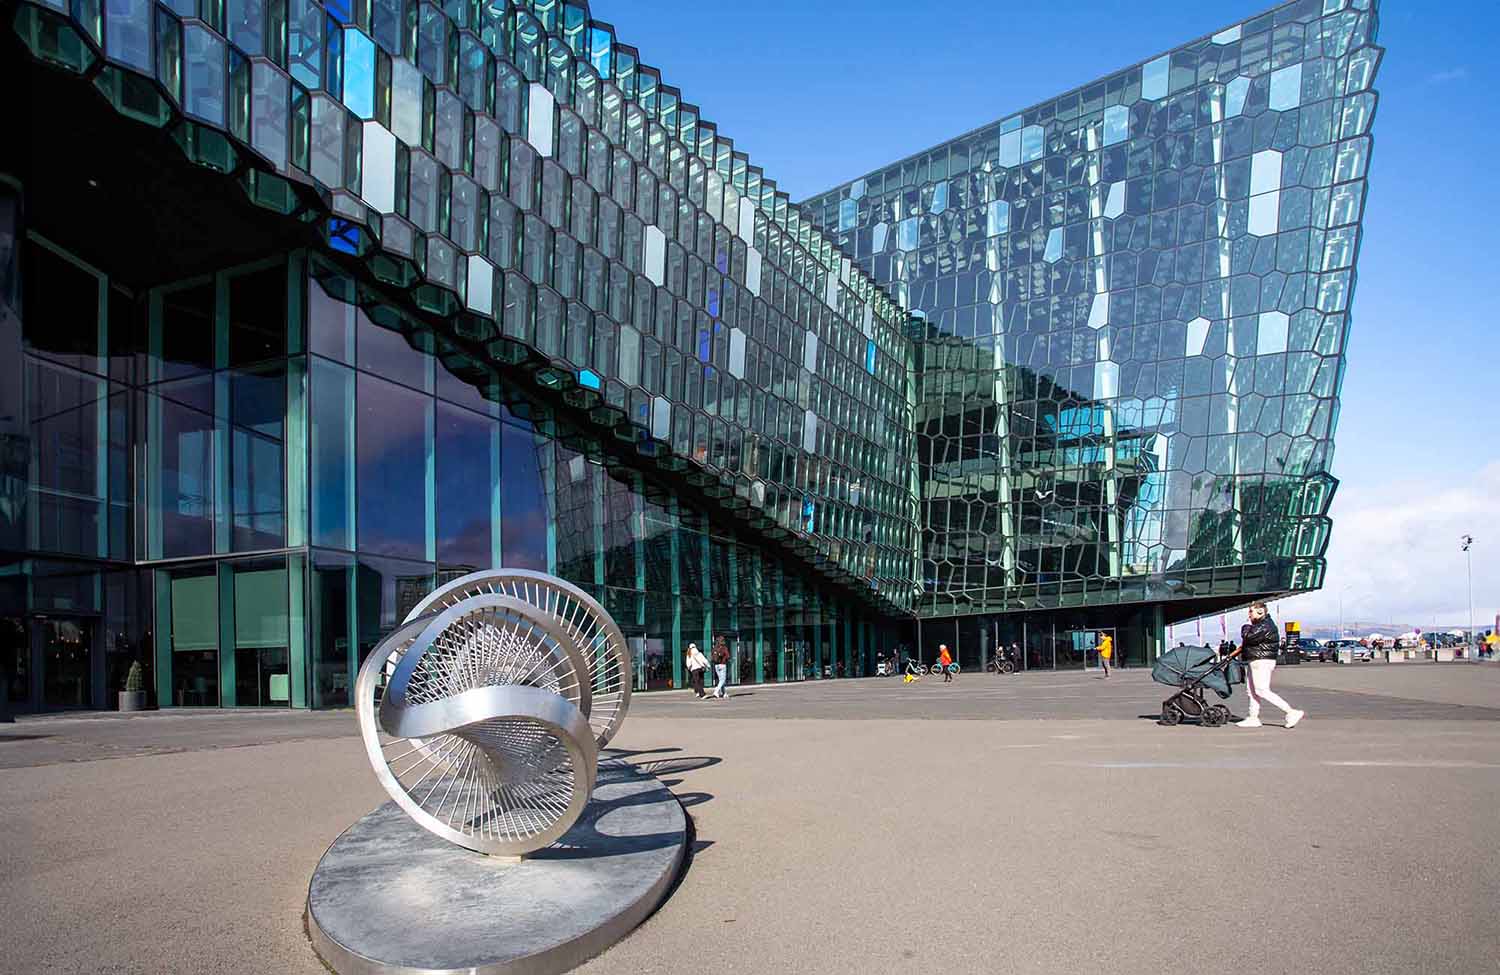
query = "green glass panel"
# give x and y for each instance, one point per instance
(195, 613)
(260, 608)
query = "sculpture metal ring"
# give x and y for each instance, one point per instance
(598, 637)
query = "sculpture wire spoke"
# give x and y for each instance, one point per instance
(598, 639)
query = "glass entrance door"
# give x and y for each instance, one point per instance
(66, 651)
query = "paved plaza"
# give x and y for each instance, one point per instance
(1036, 823)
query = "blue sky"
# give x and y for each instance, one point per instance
(818, 93)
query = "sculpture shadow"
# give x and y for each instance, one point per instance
(585, 840)
(676, 766)
(617, 752)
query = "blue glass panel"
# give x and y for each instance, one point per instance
(343, 235)
(870, 356)
(1032, 143)
(304, 42)
(257, 475)
(908, 234)
(207, 76)
(185, 478)
(1054, 245)
(432, 44)
(997, 218)
(331, 457)
(128, 32)
(526, 510)
(269, 112)
(589, 379)
(1286, 87)
(387, 353)
(245, 23)
(386, 24)
(1154, 77)
(393, 451)
(848, 211)
(1010, 146)
(333, 58)
(1234, 96)
(600, 46)
(466, 445)
(359, 73)
(1116, 124)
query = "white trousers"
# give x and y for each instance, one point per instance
(1258, 687)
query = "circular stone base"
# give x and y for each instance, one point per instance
(388, 896)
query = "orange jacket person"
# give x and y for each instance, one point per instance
(944, 660)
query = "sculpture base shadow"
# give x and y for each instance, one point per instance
(389, 896)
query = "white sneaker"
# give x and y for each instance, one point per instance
(1293, 716)
(1251, 722)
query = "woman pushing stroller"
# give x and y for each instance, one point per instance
(1259, 643)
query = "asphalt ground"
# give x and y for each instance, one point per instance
(1035, 823)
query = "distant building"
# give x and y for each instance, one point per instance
(1132, 302)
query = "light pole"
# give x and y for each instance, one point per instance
(1466, 541)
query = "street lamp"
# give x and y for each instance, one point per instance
(1466, 541)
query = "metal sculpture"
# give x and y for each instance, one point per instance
(484, 712)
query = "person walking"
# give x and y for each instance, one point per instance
(1259, 643)
(697, 665)
(944, 659)
(721, 668)
(1106, 650)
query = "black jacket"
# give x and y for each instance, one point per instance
(1260, 641)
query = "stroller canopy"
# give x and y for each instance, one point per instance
(1188, 665)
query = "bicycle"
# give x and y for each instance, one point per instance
(1000, 665)
(915, 672)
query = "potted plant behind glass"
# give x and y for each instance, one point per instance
(133, 697)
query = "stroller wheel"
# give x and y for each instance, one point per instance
(1211, 718)
(1224, 713)
(1170, 715)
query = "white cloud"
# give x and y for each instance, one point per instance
(1395, 552)
(1448, 74)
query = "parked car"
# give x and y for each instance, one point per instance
(1305, 648)
(1318, 650)
(1331, 648)
(1357, 650)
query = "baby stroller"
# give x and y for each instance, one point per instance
(1193, 669)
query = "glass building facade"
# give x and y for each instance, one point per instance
(1131, 303)
(307, 306)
